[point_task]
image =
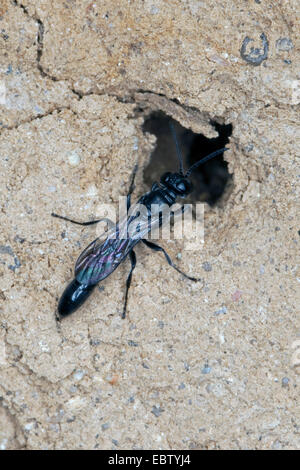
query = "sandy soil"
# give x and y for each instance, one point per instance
(193, 366)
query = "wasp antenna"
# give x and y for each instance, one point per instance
(204, 160)
(178, 151)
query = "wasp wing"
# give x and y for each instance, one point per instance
(103, 256)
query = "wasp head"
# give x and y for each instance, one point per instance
(177, 183)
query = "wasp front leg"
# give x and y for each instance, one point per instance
(156, 247)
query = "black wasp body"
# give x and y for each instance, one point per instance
(102, 257)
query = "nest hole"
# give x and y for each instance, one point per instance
(210, 179)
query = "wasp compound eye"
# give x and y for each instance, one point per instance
(184, 187)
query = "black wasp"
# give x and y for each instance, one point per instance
(102, 257)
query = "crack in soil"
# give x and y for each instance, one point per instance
(40, 40)
(129, 99)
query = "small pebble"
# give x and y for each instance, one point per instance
(154, 10)
(236, 295)
(73, 158)
(207, 266)
(262, 269)
(285, 381)
(78, 375)
(284, 44)
(92, 191)
(156, 411)
(221, 311)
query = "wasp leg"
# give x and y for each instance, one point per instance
(132, 257)
(179, 211)
(131, 187)
(156, 247)
(90, 222)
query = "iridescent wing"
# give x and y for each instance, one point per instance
(103, 256)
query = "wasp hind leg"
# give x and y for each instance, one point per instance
(132, 257)
(156, 247)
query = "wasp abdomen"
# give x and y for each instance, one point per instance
(73, 297)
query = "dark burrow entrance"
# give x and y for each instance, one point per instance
(211, 178)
